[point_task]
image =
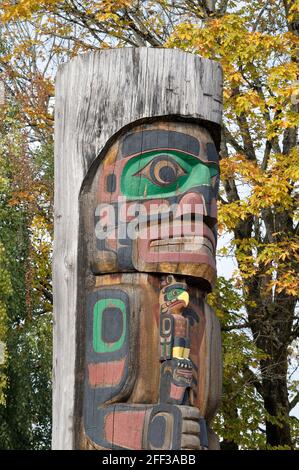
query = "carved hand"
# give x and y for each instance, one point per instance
(172, 427)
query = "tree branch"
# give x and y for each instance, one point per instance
(294, 402)
(235, 327)
(232, 141)
(250, 377)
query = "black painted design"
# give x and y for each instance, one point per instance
(171, 427)
(166, 336)
(167, 174)
(157, 431)
(159, 139)
(212, 153)
(203, 434)
(191, 314)
(183, 342)
(112, 325)
(111, 183)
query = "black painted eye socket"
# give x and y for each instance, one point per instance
(162, 171)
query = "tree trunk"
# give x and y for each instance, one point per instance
(271, 325)
(275, 395)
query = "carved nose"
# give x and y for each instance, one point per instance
(191, 203)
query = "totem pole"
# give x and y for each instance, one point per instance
(137, 349)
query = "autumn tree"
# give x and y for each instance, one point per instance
(25, 281)
(257, 45)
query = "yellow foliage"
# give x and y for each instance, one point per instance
(23, 9)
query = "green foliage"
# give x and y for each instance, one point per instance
(25, 378)
(26, 419)
(241, 412)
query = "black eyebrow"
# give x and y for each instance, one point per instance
(159, 139)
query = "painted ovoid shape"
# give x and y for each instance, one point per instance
(152, 374)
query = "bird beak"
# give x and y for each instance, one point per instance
(185, 297)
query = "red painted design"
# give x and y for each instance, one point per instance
(176, 229)
(197, 257)
(176, 392)
(202, 255)
(213, 208)
(112, 243)
(180, 326)
(124, 428)
(106, 374)
(191, 203)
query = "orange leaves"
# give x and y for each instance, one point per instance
(14, 156)
(260, 76)
(21, 197)
(186, 36)
(35, 103)
(265, 189)
(288, 282)
(281, 74)
(274, 263)
(106, 9)
(271, 190)
(238, 164)
(229, 39)
(247, 101)
(110, 5)
(284, 85)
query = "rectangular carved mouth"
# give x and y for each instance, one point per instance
(190, 243)
(183, 374)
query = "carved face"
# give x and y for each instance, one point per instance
(154, 202)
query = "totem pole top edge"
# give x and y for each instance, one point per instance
(87, 55)
(122, 86)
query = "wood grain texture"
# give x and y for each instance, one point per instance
(97, 95)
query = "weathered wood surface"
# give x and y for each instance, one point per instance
(137, 368)
(96, 96)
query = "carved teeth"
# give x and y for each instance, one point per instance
(190, 243)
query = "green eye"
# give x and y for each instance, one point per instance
(164, 174)
(162, 171)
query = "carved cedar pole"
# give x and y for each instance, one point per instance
(137, 360)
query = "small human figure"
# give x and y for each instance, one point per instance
(174, 328)
(176, 369)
